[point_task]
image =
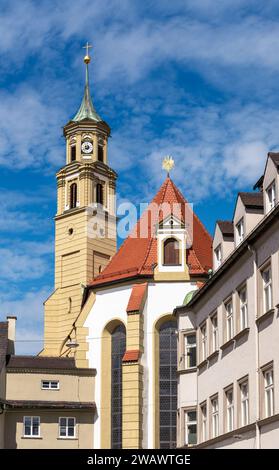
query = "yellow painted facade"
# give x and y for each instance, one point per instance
(85, 234)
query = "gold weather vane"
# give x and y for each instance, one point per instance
(168, 164)
(87, 57)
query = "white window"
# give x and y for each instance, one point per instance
(240, 231)
(269, 392)
(218, 256)
(31, 426)
(50, 384)
(230, 409)
(243, 308)
(67, 427)
(244, 397)
(267, 289)
(215, 416)
(190, 351)
(214, 331)
(190, 427)
(203, 342)
(271, 197)
(229, 320)
(203, 422)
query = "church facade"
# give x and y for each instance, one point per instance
(112, 311)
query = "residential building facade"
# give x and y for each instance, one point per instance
(231, 388)
(45, 402)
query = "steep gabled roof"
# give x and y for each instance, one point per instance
(274, 157)
(137, 256)
(252, 200)
(226, 227)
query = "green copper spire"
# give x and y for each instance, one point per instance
(87, 110)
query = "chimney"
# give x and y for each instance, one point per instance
(11, 333)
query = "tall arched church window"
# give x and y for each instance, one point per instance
(99, 193)
(118, 348)
(171, 252)
(73, 196)
(168, 384)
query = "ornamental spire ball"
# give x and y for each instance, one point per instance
(168, 164)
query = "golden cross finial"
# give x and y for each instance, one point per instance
(87, 56)
(168, 164)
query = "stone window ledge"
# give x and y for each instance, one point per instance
(265, 315)
(241, 333)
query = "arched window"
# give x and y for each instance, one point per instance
(73, 196)
(171, 252)
(100, 153)
(73, 153)
(118, 348)
(99, 193)
(168, 384)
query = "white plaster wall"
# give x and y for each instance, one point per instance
(162, 299)
(110, 304)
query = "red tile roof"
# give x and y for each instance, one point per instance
(137, 298)
(137, 256)
(131, 356)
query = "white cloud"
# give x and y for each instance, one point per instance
(28, 308)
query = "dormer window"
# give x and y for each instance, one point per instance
(171, 252)
(239, 231)
(218, 256)
(270, 197)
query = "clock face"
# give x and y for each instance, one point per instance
(87, 147)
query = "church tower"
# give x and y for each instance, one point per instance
(85, 234)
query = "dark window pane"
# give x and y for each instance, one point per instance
(118, 347)
(168, 384)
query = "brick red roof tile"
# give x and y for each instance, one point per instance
(137, 298)
(137, 256)
(131, 356)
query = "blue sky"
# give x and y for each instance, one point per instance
(196, 79)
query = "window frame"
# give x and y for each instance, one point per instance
(50, 382)
(218, 255)
(267, 287)
(267, 389)
(240, 234)
(214, 343)
(244, 403)
(243, 324)
(229, 319)
(31, 435)
(189, 347)
(214, 425)
(67, 427)
(203, 421)
(229, 409)
(271, 196)
(177, 254)
(203, 342)
(188, 423)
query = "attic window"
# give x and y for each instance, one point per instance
(240, 231)
(218, 256)
(271, 198)
(171, 252)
